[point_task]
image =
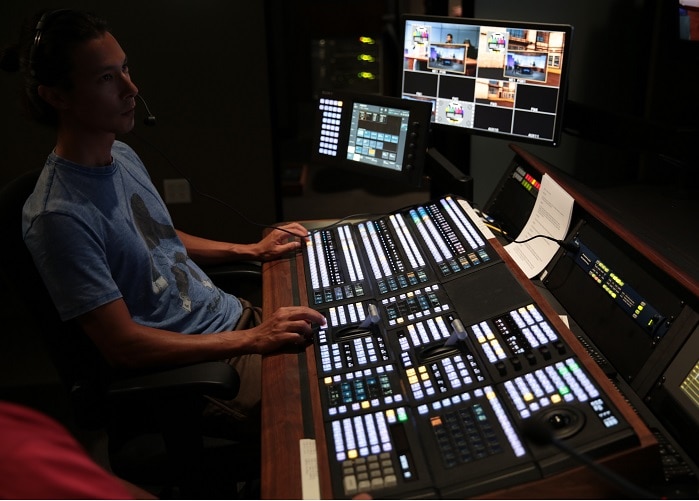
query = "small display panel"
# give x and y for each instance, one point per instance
(690, 385)
(675, 399)
(496, 78)
(375, 135)
(378, 135)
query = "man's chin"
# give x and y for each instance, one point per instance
(126, 127)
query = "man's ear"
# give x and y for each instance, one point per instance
(53, 96)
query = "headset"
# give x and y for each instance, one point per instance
(40, 26)
(150, 119)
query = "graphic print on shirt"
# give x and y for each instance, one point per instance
(182, 279)
(153, 233)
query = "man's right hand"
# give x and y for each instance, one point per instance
(290, 326)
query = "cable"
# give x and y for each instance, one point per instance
(233, 209)
(206, 195)
(566, 245)
(573, 246)
(362, 215)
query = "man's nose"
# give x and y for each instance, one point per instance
(129, 88)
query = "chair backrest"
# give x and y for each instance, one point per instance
(79, 364)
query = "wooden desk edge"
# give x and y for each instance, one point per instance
(282, 400)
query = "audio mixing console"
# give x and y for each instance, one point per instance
(434, 356)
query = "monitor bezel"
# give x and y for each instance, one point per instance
(454, 24)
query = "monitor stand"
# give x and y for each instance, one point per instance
(446, 178)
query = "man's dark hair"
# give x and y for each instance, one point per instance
(44, 54)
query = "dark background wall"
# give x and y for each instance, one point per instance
(631, 115)
(231, 115)
(202, 67)
(631, 119)
(232, 85)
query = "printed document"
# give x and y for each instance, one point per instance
(551, 216)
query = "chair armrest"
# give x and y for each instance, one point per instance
(191, 382)
(247, 270)
(131, 394)
(214, 379)
(241, 278)
(235, 266)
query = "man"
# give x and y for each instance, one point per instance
(103, 239)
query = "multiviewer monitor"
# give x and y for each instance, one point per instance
(375, 135)
(502, 79)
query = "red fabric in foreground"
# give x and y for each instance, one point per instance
(39, 459)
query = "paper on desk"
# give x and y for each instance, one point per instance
(310, 485)
(551, 216)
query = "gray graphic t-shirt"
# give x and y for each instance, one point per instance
(98, 234)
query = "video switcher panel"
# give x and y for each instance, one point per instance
(434, 356)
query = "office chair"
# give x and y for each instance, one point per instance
(152, 418)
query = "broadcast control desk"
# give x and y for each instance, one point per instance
(438, 356)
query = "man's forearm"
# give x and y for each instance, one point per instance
(203, 250)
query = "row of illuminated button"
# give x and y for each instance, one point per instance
(339, 293)
(371, 239)
(323, 251)
(349, 250)
(339, 316)
(561, 382)
(430, 234)
(351, 354)
(330, 126)
(447, 232)
(533, 325)
(407, 241)
(604, 413)
(427, 331)
(443, 375)
(363, 435)
(317, 259)
(360, 390)
(401, 281)
(488, 342)
(463, 223)
(413, 305)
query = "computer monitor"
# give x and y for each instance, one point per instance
(376, 135)
(675, 399)
(501, 79)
